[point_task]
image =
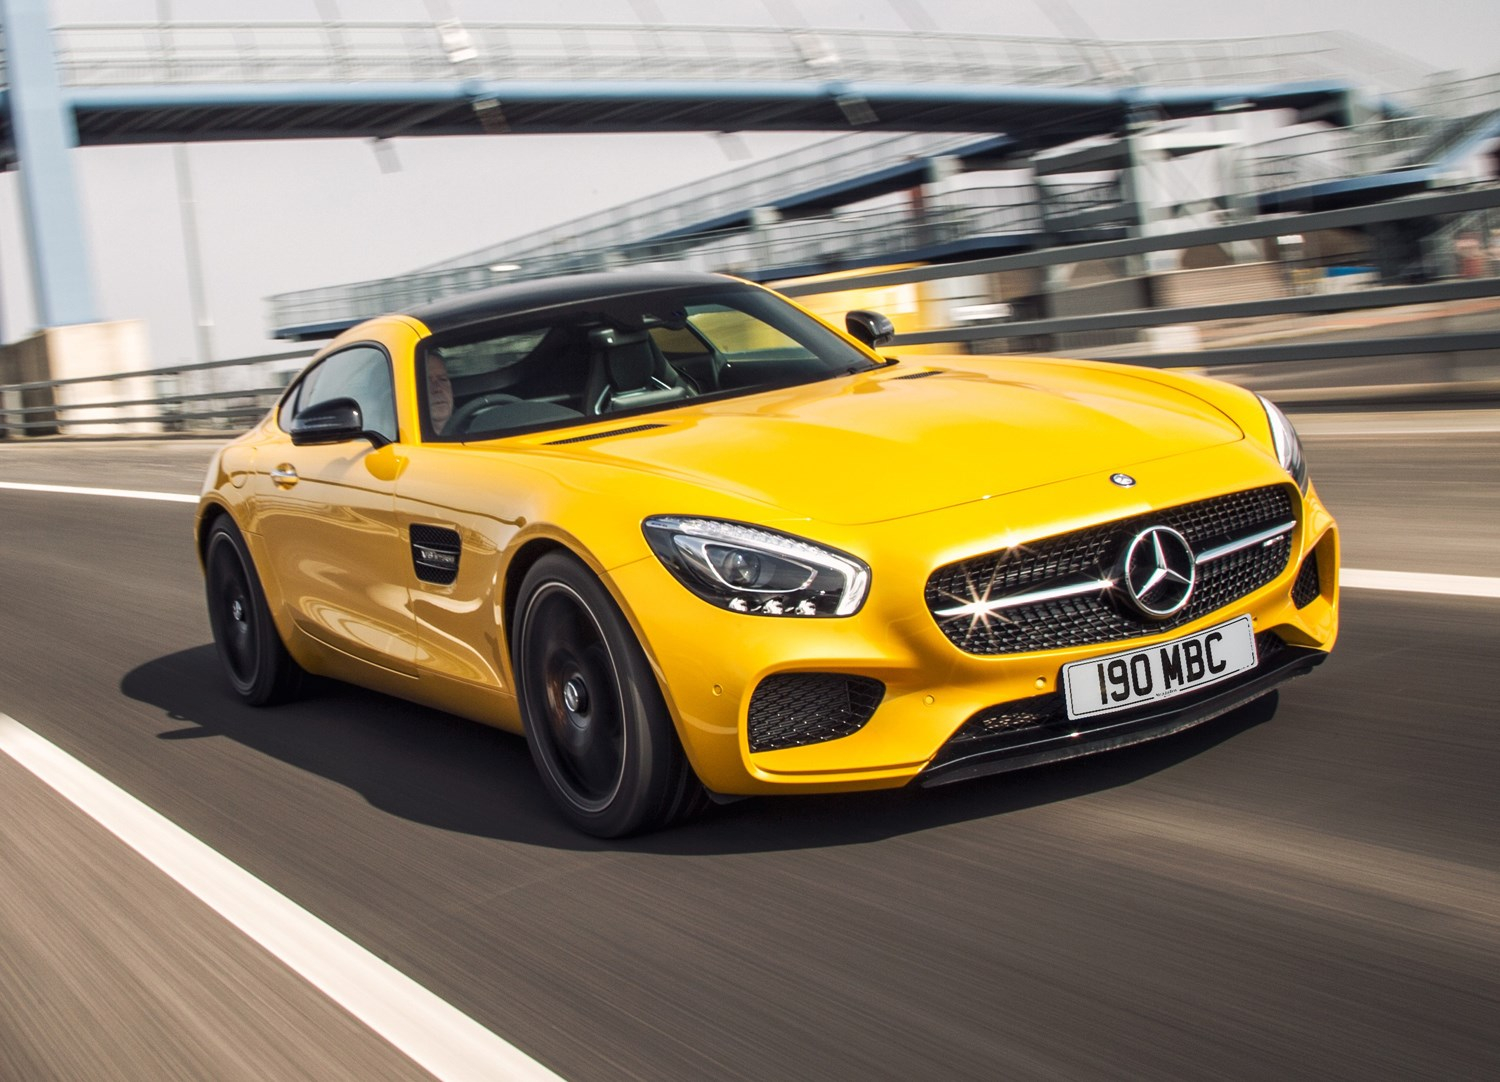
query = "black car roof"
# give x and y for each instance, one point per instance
(487, 304)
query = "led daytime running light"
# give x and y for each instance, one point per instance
(778, 574)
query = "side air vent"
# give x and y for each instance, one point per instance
(924, 373)
(434, 553)
(604, 435)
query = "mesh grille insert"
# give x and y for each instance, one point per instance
(434, 553)
(1307, 587)
(1090, 619)
(790, 710)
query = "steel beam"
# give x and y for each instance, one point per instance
(44, 134)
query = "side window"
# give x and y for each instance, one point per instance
(362, 373)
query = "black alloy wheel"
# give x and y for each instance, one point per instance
(256, 662)
(596, 723)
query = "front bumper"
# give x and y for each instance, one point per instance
(1045, 735)
(710, 662)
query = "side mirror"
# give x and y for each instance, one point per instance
(871, 328)
(336, 421)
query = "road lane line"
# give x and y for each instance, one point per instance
(122, 493)
(1420, 582)
(436, 1035)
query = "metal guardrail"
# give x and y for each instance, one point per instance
(231, 409)
(234, 411)
(1314, 352)
(1322, 303)
(182, 405)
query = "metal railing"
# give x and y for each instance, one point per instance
(1451, 113)
(755, 184)
(214, 397)
(342, 51)
(968, 214)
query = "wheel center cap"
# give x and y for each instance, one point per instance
(576, 695)
(237, 611)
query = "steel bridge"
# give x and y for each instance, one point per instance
(79, 86)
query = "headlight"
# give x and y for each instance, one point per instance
(1288, 446)
(754, 570)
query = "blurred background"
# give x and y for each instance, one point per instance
(1052, 176)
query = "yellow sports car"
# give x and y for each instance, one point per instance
(693, 542)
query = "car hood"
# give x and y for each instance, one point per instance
(894, 443)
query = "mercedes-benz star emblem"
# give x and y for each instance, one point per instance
(1159, 571)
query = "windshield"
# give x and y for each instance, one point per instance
(575, 363)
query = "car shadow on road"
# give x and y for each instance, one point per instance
(443, 771)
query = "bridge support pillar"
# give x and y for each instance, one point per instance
(45, 132)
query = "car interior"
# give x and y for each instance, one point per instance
(582, 365)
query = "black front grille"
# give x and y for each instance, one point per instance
(1093, 554)
(1307, 587)
(793, 709)
(1040, 716)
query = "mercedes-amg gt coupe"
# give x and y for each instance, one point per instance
(693, 543)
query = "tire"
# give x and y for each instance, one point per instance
(596, 723)
(255, 660)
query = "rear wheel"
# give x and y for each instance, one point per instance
(256, 662)
(595, 719)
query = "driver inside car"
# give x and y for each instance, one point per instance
(439, 392)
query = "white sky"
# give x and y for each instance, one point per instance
(281, 216)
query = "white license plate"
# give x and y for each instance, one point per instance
(1120, 681)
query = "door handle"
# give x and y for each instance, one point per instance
(284, 475)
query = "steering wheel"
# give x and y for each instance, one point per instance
(461, 419)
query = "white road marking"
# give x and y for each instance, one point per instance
(1351, 578)
(122, 493)
(437, 1036)
(1387, 433)
(1420, 582)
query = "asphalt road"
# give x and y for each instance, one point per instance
(1309, 891)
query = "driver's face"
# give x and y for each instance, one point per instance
(439, 392)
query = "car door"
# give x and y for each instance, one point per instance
(326, 516)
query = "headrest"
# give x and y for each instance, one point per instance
(629, 355)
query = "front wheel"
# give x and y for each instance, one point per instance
(256, 662)
(597, 725)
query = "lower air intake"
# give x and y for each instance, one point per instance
(791, 710)
(1307, 587)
